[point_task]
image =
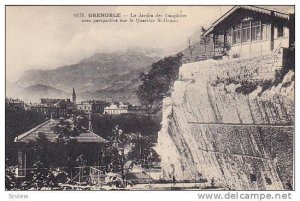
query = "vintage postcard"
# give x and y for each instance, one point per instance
(150, 98)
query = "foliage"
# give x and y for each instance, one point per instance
(38, 178)
(289, 65)
(128, 147)
(66, 128)
(156, 83)
(10, 179)
(104, 125)
(246, 88)
(16, 123)
(248, 80)
(41, 175)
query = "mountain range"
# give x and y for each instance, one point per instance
(112, 76)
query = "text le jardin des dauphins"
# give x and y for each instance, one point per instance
(131, 17)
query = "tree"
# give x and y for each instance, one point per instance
(17, 122)
(156, 83)
(67, 128)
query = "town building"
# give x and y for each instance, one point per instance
(123, 108)
(53, 107)
(251, 31)
(92, 106)
(114, 109)
(14, 104)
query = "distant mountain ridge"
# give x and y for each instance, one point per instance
(35, 92)
(102, 75)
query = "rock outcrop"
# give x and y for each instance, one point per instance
(211, 129)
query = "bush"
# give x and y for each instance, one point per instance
(156, 83)
(247, 88)
(129, 123)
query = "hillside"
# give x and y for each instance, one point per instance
(35, 92)
(103, 75)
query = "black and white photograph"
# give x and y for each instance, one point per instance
(150, 98)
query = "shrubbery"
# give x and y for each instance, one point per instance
(246, 76)
(139, 130)
(158, 81)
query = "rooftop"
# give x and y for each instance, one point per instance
(256, 9)
(45, 128)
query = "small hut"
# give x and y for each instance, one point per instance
(61, 150)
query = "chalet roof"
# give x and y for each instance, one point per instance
(45, 128)
(261, 10)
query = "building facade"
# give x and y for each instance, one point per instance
(123, 108)
(53, 107)
(114, 109)
(251, 31)
(94, 106)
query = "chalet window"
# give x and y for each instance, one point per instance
(236, 34)
(255, 31)
(280, 32)
(264, 31)
(246, 31)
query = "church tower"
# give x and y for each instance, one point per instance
(74, 96)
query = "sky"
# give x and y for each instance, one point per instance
(45, 37)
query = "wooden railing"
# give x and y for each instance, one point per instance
(203, 56)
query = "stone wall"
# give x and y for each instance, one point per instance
(211, 131)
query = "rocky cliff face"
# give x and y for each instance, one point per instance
(211, 128)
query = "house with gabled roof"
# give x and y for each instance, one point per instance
(85, 142)
(251, 30)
